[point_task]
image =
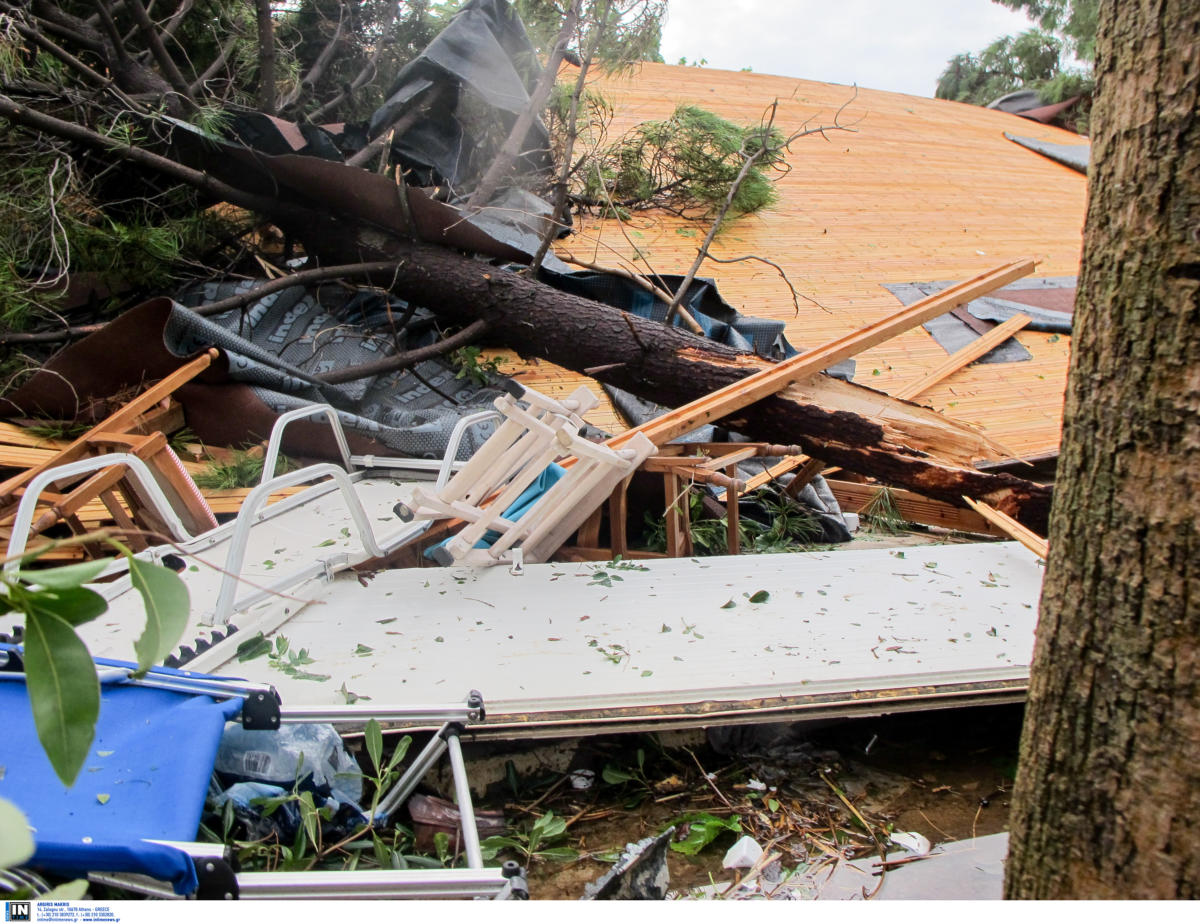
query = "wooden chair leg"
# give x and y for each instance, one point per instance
(589, 532)
(618, 514)
(733, 537)
(678, 516)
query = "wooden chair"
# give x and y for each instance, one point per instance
(123, 497)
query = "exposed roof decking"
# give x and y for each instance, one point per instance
(922, 190)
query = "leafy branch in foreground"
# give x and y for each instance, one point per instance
(64, 690)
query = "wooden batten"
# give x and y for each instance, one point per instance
(967, 355)
(1027, 537)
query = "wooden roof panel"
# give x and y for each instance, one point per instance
(921, 190)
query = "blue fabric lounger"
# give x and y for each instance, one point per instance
(145, 778)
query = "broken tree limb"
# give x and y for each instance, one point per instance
(468, 334)
(302, 278)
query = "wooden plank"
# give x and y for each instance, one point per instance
(759, 385)
(22, 457)
(733, 532)
(967, 355)
(808, 471)
(12, 435)
(589, 532)
(1027, 537)
(118, 421)
(914, 508)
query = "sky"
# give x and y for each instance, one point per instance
(900, 45)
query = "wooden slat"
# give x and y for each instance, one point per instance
(1027, 537)
(25, 457)
(967, 355)
(12, 435)
(854, 497)
(782, 467)
(755, 387)
(808, 471)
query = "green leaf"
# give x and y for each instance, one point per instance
(728, 605)
(103, 797)
(253, 648)
(614, 775)
(16, 843)
(373, 737)
(321, 545)
(491, 846)
(296, 674)
(550, 826)
(362, 649)
(73, 605)
(68, 576)
(166, 599)
(400, 752)
(560, 854)
(63, 691)
(703, 829)
(309, 817)
(760, 597)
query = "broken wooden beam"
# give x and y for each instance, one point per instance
(964, 357)
(1027, 537)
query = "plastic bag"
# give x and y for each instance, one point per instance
(288, 754)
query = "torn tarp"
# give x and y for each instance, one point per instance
(486, 61)
(1075, 156)
(1044, 300)
(235, 403)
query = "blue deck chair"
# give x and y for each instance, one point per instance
(133, 814)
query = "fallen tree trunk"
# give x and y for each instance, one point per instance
(865, 431)
(862, 430)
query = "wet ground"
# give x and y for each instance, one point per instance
(814, 795)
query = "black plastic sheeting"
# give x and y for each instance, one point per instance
(486, 58)
(952, 334)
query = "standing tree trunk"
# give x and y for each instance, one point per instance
(1108, 791)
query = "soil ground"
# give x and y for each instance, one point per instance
(945, 775)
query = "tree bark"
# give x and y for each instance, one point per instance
(1108, 789)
